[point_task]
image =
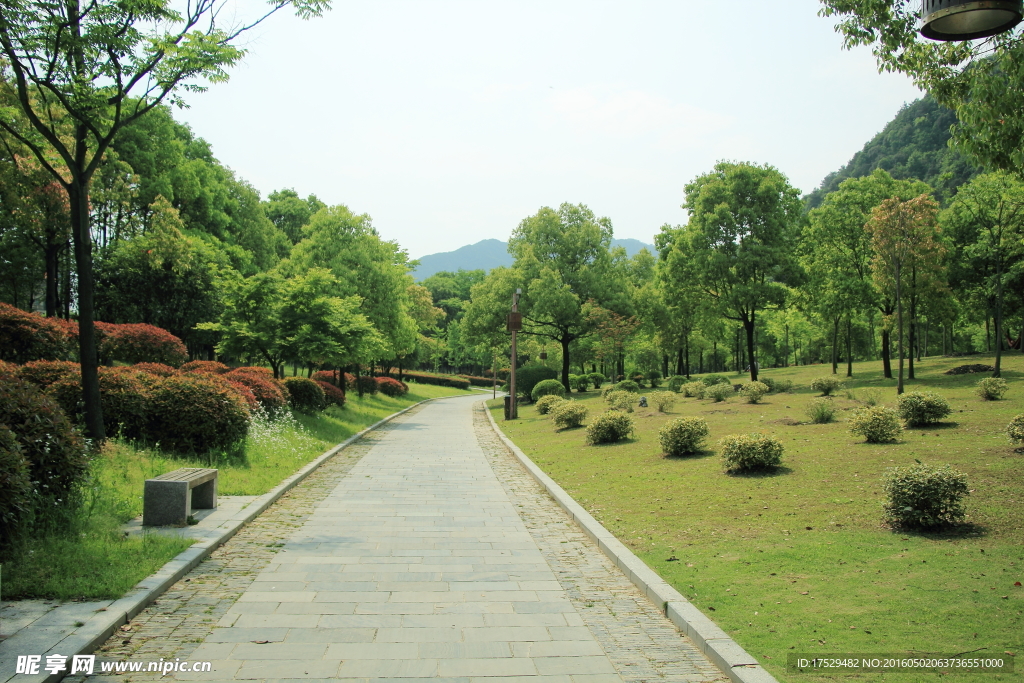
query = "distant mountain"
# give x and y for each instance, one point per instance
(488, 254)
(915, 144)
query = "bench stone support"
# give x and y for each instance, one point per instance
(169, 498)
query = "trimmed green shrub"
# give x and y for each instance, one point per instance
(269, 392)
(719, 392)
(992, 388)
(662, 400)
(1015, 430)
(827, 385)
(567, 414)
(639, 378)
(16, 501)
(676, 382)
(332, 394)
(628, 385)
(124, 398)
(754, 391)
(158, 369)
(546, 387)
(783, 386)
(597, 379)
(654, 377)
(621, 400)
(683, 436)
(921, 407)
(210, 366)
(923, 497)
(304, 394)
(390, 386)
(43, 373)
(747, 452)
(609, 428)
(546, 403)
(579, 382)
(821, 410)
(711, 380)
(694, 389)
(53, 449)
(877, 424)
(196, 413)
(529, 377)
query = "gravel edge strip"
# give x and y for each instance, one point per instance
(725, 652)
(97, 629)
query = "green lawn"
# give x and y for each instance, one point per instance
(93, 559)
(799, 560)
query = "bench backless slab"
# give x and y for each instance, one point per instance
(169, 498)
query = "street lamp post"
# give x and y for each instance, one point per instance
(968, 19)
(515, 323)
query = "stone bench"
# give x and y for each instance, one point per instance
(169, 498)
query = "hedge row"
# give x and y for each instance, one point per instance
(423, 378)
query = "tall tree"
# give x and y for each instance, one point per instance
(739, 245)
(903, 233)
(82, 71)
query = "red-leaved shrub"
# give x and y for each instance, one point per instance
(195, 413)
(158, 369)
(391, 387)
(256, 370)
(140, 343)
(28, 336)
(268, 391)
(305, 394)
(365, 384)
(332, 394)
(124, 399)
(210, 366)
(43, 373)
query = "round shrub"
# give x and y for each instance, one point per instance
(332, 394)
(662, 400)
(43, 373)
(158, 369)
(124, 399)
(821, 410)
(366, 385)
(711, 380)
(620, 400)
(783, 386)
(53, 449)
(568, 414)
(694, 389)
(923, 497)
(639, 378)
(719, 392)
(16, 501)
(547, 387)
(992, 388)
(754, 391)
(391, 387)
(921, 407)
(1015, 430)
(768, 382)
(827, 385)
(256, 370)
(245, 392)
(210, 366)
(269, 392)
(654, 377)
(628, 385)
(597, 379)
(683, 436)
(609, 428)
(196, 413)
(676, 382)
(140, 343)
(334, 377)
(304, 394)
(26, 337)
(579, 382)
(747, 452)
(527, 378)
(877, 424)
(546, 403)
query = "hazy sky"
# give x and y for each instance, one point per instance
(449, 121)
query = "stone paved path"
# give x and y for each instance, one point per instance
(434, 556)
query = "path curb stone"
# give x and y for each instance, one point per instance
(725, 652)
(57, 633)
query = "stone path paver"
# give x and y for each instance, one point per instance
(427, 559)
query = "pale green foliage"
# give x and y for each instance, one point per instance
(609, 428)
(877, 424)
(546, 403)
(621, 400)
(694, 389)
(568, 414)
(746, 452)
(821, 410)
(719, 392)
(871, 397)
(922, 407)
(597, 379)
(754, 391)
(783, 386)
(923, 497)
(1015, 430)
(676, 382)
(683, 436)
(628, 385)
(992, 388)
(827, 385)
(547, 387)
(662, 400)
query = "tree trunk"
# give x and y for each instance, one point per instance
(749, 326)
(899, 331)
(886, 355)
(687, 356)
(359, 385)
(786, 363)
(565, 364)
(664, 365)
(849, 348)
(679, 361)
(87, 355)
(835, 345)
(999, 321)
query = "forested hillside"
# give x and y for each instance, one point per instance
(915, 144)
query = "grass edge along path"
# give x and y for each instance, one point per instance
(739, 548)
(95, 560)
